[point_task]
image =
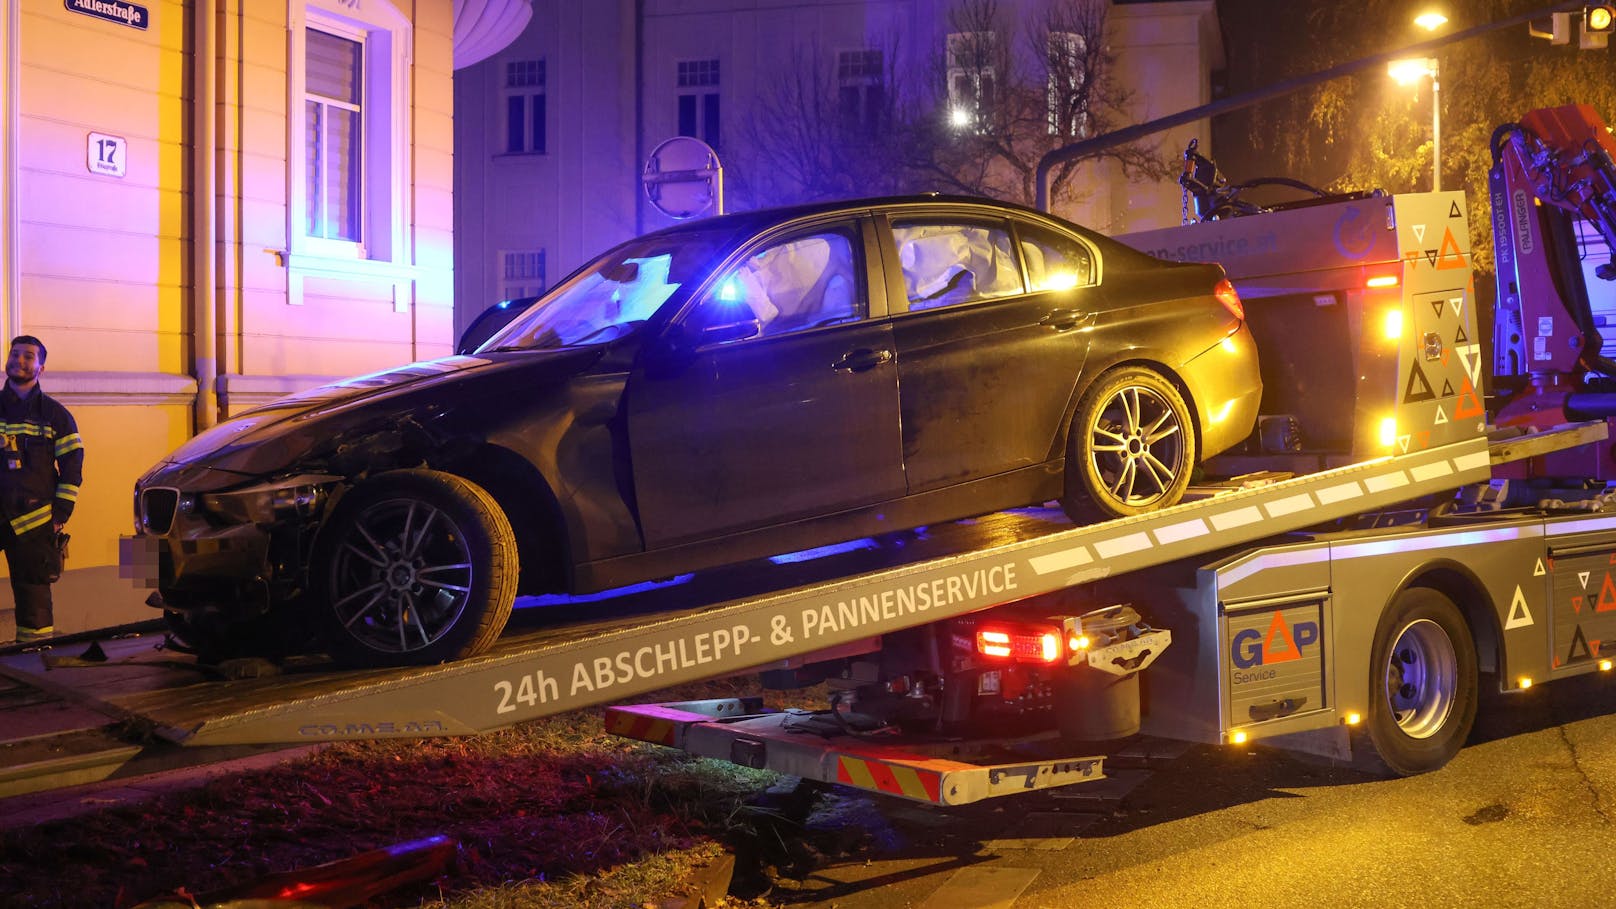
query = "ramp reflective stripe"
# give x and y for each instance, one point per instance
(892, 777)
(649, 723)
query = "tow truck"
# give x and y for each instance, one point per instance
(1347, 579)
(1371, 601)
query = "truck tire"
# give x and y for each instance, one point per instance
(1131, 447)
(416, 567)
(1422, 683)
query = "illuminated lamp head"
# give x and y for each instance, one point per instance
(731, 290)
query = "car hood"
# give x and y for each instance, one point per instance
(274, 435)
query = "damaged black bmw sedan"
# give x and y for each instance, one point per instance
(724, 390)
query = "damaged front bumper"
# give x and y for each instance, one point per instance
(231, 549)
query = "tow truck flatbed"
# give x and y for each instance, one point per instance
(592, 661)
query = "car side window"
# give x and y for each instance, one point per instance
(947, 262)
(1054, 261)
(804, 281)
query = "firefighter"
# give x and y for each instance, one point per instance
(41, 466)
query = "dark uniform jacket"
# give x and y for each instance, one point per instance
(41, 460)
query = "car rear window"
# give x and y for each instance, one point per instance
(1054, 260)
(947, 262)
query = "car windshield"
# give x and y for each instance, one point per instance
(611, 296)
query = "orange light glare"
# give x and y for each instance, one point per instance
(1604, 665)
(1599, 18)
(1388, 431)
(1081, 642)
(1380, 281)
(993, 643)
(1354, 718)
(1238, 737)
(1392, 325)
(1525, 682)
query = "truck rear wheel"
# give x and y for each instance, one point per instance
(1422, 683)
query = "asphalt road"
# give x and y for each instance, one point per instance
(1522, 817)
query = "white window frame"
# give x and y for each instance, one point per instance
(1065, 49)
(527, 93)
(385, 200)
(852, 73)
(529, 285)
(699, 90)
(959, 44)
(357, 36)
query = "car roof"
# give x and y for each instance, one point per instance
(757, 219)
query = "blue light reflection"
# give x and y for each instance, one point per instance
(820, 552)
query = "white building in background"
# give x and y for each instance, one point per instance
(552, 133)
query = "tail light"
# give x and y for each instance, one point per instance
(1020, 644)
(1230, 298)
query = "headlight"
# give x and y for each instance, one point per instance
(269, 502)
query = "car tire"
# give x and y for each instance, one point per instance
(1131, 447)
(415, 567)
(1422, 685)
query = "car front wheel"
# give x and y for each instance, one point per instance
(1131, 448)
(416, 567)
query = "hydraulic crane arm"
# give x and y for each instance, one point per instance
(1550, 170)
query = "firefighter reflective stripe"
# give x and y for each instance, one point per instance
(42, 430)
(892, 777)
(39, 517)
(67, 491)
(634, 724)
(70, 442)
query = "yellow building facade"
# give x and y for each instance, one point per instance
(207, 204)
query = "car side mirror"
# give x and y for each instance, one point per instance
(489, 322)
(731, 331)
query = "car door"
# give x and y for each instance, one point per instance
(773, 397)
(990, 317)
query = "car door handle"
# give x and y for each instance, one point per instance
(862, 359)
(1064, 319)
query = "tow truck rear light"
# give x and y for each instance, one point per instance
(1022, 645)
(1230, 298)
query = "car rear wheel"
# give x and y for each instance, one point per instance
(417, 567)
(1131, 447)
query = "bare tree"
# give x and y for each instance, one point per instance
(1006, 110)
(988, 106)
(826, 128)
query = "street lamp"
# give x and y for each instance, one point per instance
(1409, 71)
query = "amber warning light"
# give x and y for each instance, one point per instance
(1020, 644)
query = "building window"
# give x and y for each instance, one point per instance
(522, 274)
(524, 107)
(350, 151)
(1068, 112)
(334, 134)
(698, 100)
(861, 87)
(972, 78)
